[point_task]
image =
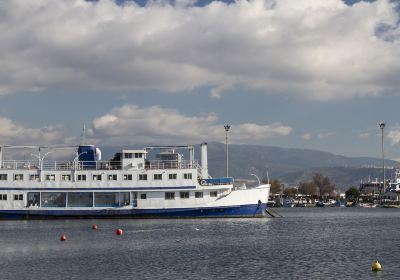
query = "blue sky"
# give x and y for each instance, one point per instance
(315, 74)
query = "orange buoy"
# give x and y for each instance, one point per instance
(63, 237)
(119, 231)
(94, 227)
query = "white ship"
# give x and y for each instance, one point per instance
(131, 185)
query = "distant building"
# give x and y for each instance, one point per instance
(371, 188)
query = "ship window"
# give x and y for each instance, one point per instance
(213, 194)
(106, 199)
(128, 177)
(81, 177)
(187, 176)
(128, 155)
(18, 177)
(143, 196)
(33, 199)
(34, 177)
(124, 198)
(3, 177)
(157, 176)
(97, 177)
(3, 197)
(138, 155)
(169, 195)
(80, 199)
(65, 177)
(198, 194)
(112, 177)
(50, 177)
(18, 197)
(184, 195)
(142, 177)
(172, 176)
(53, 199)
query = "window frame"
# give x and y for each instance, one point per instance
(33, 177)
(18, 197)
(95, 177)
(19, 176)
(63, 176)
(128, 177)
(174, 175)
(198, 194)
(184, 195)
(169, 195)
(50, 177)
(81, 177)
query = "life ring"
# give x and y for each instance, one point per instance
(203, 182)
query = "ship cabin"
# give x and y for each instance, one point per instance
(131, 178)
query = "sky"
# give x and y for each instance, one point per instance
(312, 74)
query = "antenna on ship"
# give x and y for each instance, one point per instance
(83, 135)
(226, 127)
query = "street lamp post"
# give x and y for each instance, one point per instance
(258, 179)
(227, 127)
(41, 159)
(382, 125)
(75, 163)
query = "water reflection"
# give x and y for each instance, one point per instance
(305, 244)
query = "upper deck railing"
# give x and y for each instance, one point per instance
(93, 165)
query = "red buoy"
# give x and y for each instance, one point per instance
(94, 227)
(119, 231)
(63, 237)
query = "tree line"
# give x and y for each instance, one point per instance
(319, 185)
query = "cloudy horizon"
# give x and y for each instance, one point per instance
(313, 74)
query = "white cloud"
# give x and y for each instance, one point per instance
(321, 49)
(324, 135)
(394, 136)
(13, 133)
(132, 124)
(306, 136)
(364, 135)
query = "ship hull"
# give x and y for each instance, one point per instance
(245, 211)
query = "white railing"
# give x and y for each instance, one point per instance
(93, 165)
(19, 164)
(173, 164)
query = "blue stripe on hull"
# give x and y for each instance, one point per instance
(252, 210)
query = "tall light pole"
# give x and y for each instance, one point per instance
(227, 127)
(382, 125)
(75, 163)
(41, 159)
(258, 179)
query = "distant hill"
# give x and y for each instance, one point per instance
(293, 165)
(289, 165)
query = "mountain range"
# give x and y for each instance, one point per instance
(289, 165)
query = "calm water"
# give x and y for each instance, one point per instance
(335, 243)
